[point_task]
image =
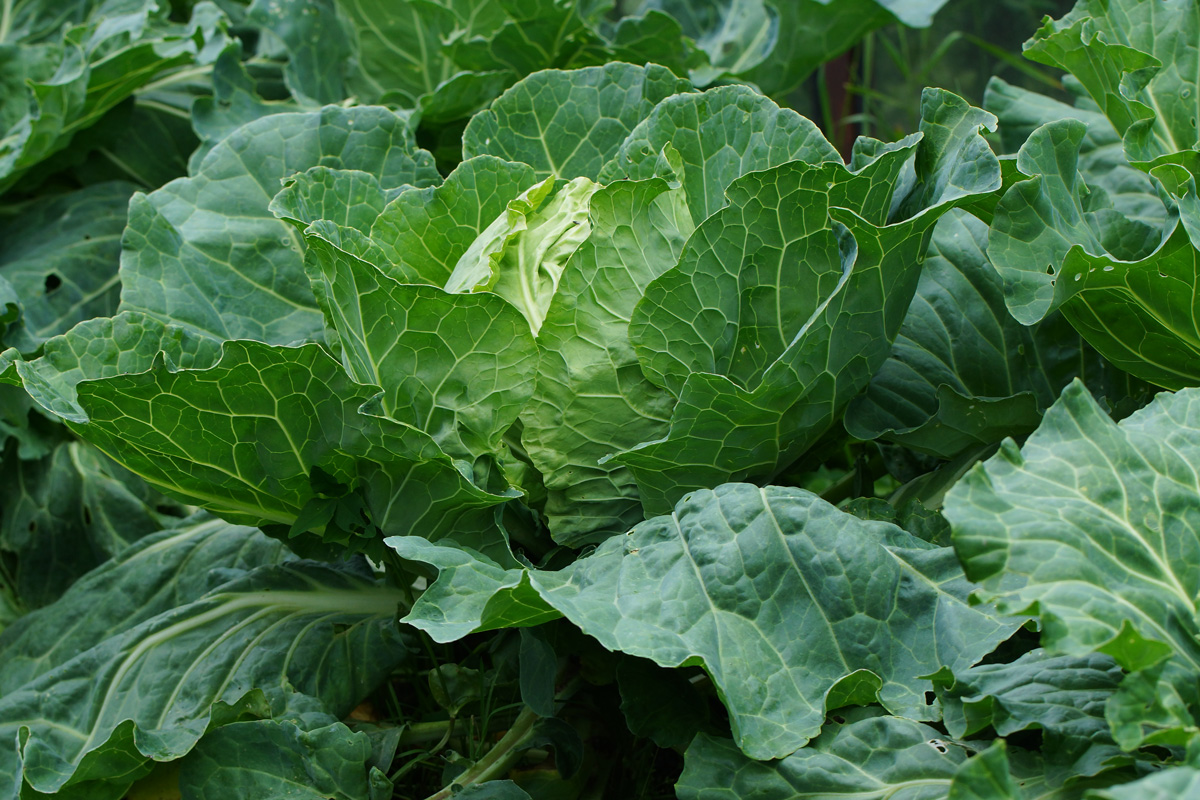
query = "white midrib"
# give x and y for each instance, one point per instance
(5, 20)
(320, 601)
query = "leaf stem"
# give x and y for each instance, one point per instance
(499, 759)
(6, 20)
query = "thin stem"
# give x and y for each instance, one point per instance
(497, 761)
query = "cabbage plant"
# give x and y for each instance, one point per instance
(515, 400)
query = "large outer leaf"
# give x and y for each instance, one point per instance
(61, 256)
(280, 759)
(104, 347)
(206, 251)
(459, 367)
(841, 611)
(592, 399)
(424, 232)
(1063, 696)
(785, 303)
(736, 35)
(719, 135)
(812, 32)
(243, 438)
(158, 573)
(877, 758)
(1126, 285)
(568, 124)
(1169, 784)
(962, 371)
(1098, 525)
(91, 726)
(1139, 62)
(66, 513)
(117, 47)
(1102, 161)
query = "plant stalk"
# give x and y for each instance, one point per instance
(497, 761)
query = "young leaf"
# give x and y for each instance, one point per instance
(591, 399)
(424, 232)
(459, 367)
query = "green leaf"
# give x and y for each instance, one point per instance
(720, 135)
(459, 367)
(66, 513)
(1110, 504)
(812, 32)
(986, 776)
(876, 758)
(424, 232)
(154, 575)
(111, 51)
(846, 586)
(104, 347)
(248, 437)
(736, 35)
(269, 759)
(235, 101)
(539, 672)
(348, 198)
(568, 124)
(472, 592)
(1093, 526)
(785, 303)
(591, 399)
(1064, 696)
(60, 255)
(856, 597)
(317, 42)
(1102, 161)
(152, 691)
(493, 790)
(1139, 64)
(1156, 706)
(402, 45)
(655, 38)
(1170, 783)
(521, 256)
(660, 704)
(962, 371)
(206, 251)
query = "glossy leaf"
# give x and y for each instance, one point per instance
(424, 232)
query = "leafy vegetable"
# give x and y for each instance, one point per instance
(519, 399)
